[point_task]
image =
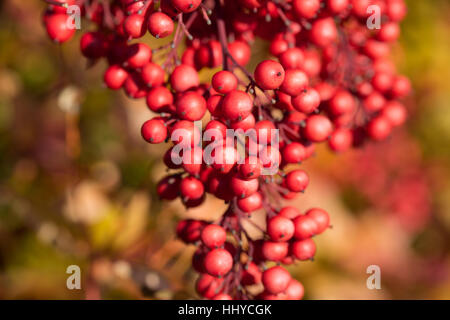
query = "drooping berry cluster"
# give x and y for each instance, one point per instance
(330, 80)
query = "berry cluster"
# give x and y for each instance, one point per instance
(330, 80)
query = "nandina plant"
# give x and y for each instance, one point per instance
(329, 79)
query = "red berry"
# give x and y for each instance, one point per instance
(154, 131)
(318, 128)
(191, 188)
(134, 25)
(153, 75)
(224, 82)
(297, 181)
(218, 262)
(280, 228)
(183, 78)
(251, 203)
(307, 101)
(305, 227)
(276, 279)
(321, 218)
(57, 27)
(213, 236)
(269, 75)
(191, 106)
(295, 82)
(236, 105)
(115, 77)
(304, 249)
(160, 25)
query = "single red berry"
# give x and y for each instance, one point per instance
(153, 75)
(57, 27)
(134, 25)
(295, 82)
(303, 249)
(276, 279)
(307, 101)
(160, 25)
(295, 290)
(218, 262)
(138, 55)
(251, 203)
(115, 77)
(213, 236)
(297, 181)
(318, 128)
(269, 75)
(280, 228)
(379, 128)
(186, 6)
(321, 218)
(191, 188)
(236, 105)
(305, 227)
(159, 99)
(191, 106)
(154, 131)
(224, 82)
(183, 78)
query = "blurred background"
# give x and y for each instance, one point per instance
(77, 181)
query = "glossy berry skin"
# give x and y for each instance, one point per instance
(191, 188)
(269, 75)
(276, 279)
(342, 103)
(395, 113)
(57, 29)
(294, 153)
(236, 105)
(251, 203)
(305, 227)
(341, 140)
(243, 188)
(139, 54)
(323, 32)
(307, 101)
(295, 82)
(208, 286)
(224, 82)
(160, 25)
(153, 75)
(289, 212)
(318, 128)
(379, 128)
(280, 228)
(321, 218)
(191, 106)
(154, 131)
(159, 99)
(213, 236)
(292, 58)
(297, 180)
(184, 77)
(306, 8)
(186, 6)
(218, 262)
(134, 25)
(303, 249)
(295, 290)
(114, 77)
(274, 251)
